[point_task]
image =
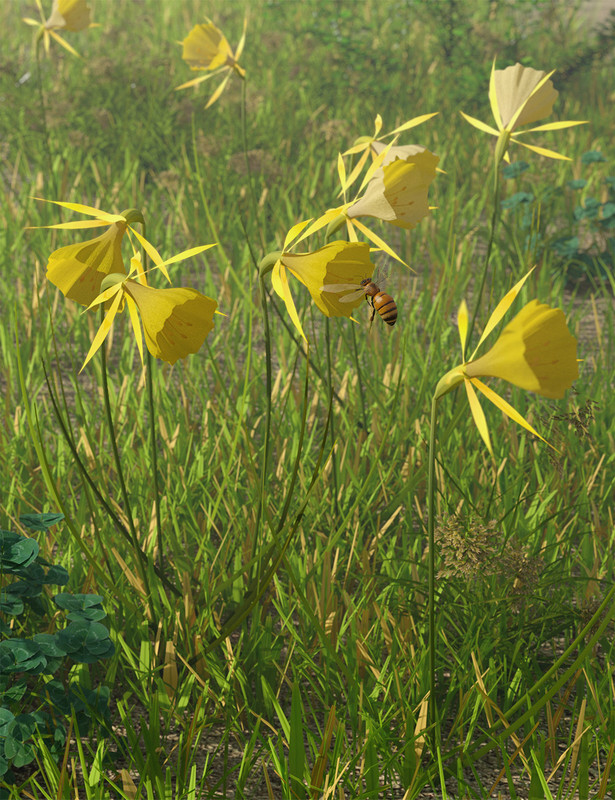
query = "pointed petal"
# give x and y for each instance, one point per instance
(412, 123)
(279, 281)
(506, 408)
(103, 297)
(88, 210)
(379, 242)
(195, 81)
(63, 43)
(355, 172)
(151, 252)
(193, 251)
(553, 126)
(501, 309)
(320, 223)
(294, 232)
(542, 151)
(493, 98)
(462, 326)
(482, 126)
(218, 92)
(136, 325)
(478, 414)
(105, 326)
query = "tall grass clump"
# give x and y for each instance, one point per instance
(299, 556)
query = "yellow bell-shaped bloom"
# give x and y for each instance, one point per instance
(397, 192)
(207, 49)
(535, 351)
(520, 96)
(176, 322)
(331, 274)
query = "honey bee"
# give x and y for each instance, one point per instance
(380, 301)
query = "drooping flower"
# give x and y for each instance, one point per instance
(66, 15)
(207, 49)
(330, 274)
(535, 351)
(79, 269)
(176, 322)
(519, 96)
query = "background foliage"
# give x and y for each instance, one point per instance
(324, 681)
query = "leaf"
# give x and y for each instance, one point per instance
(40, 522)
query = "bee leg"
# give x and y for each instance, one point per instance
(370, 303)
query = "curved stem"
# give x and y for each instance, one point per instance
(431, 492)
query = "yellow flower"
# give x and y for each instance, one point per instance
(68, 15)
(79, 269)
(519, 96)
(176, 322)
(535, 351)
(207, 49)
(330, 274)
(397, 191)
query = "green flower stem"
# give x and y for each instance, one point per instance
(120, 473)
(494, 220)
(330, 387)
(266, 443)
(431, 491)
(357, 365)
(154, 450)
(152, 426)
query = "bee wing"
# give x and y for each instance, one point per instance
(354, 292)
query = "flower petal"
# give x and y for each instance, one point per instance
(501, 309)
(534, 351)
(478, 415)
(506, 408)
(78, 269)
(104, 328)
(279, 281)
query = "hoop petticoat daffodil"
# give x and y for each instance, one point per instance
(79, 269)
(67, 15)
(207, 49)
(519, 96)
(176, 322)
(334, 264)
(535, 351)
